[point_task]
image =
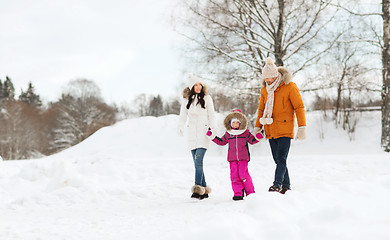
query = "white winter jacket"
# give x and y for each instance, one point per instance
(199, 121)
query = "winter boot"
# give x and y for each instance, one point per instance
(195, 195)
(207, 190)
(236, 198)
(274, 188)
(197, 192)
(284, 190)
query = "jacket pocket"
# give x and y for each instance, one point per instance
(285, 126)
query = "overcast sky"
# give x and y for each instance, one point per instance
(126, 46)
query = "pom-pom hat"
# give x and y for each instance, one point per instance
(192, 80)
(269, 70)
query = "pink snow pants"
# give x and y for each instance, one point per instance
(239, 175)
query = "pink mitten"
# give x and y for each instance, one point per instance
(259, 136)
(208, 133)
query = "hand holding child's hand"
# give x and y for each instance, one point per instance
(259, 133)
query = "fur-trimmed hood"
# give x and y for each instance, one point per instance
(187, 90)
(240, 116)
(286, 76)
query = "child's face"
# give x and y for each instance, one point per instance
(235, 124)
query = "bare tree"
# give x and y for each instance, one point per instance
(21, 134)
(79, 113)
(141, 103)
(382, 41)
(82, 88)
(237, 35)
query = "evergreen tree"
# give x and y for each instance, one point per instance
(8, 89)
(156, 107)
(30, 97)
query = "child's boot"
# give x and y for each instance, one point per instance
(237, 197)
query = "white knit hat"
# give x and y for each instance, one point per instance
(192, 80)
(234, 120)
(269, 70)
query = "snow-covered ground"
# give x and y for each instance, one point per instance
(132, 181)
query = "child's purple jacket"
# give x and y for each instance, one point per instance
(238, 144)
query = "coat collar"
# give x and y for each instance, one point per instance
(236, 132)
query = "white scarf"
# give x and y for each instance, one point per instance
(269, 105)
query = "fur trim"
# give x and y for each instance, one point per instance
(207, 190)
(198, 189)
(187, 91)
(286, 76)
(236, 132)
(238, 115)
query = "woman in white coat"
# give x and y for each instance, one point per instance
(197, 110)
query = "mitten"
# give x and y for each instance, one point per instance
(259, 136)
(259, 133)
(210, 134)
(301, 133)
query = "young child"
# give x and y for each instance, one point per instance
(238, 137)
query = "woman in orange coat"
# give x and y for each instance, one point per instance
(280, 101)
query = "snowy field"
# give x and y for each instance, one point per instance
(132, 181)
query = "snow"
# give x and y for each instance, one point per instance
(132, 181)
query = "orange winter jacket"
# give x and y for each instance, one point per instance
(287, 101)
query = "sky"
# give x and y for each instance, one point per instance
(127, 47)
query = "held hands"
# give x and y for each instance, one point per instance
(259, 133)
(301, 133)
(210, 134)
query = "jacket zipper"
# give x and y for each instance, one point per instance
(237, 148)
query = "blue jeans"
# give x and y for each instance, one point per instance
(280, 148)
(197, 155)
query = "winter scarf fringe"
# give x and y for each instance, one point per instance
(269, 105)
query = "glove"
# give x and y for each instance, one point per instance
(301, 133)
(259, 133)
(180, 132)
(208, 133)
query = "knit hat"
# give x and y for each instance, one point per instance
(234, 120)
(269, 70)
(192, 80)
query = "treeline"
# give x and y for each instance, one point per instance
(29, 129)
(150, 105)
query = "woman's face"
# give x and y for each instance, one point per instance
(198, 88)
(269, 81)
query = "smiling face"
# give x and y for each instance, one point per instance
(269, 81)
(198, 88)
(235, 124)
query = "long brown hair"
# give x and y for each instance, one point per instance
(199, 96)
